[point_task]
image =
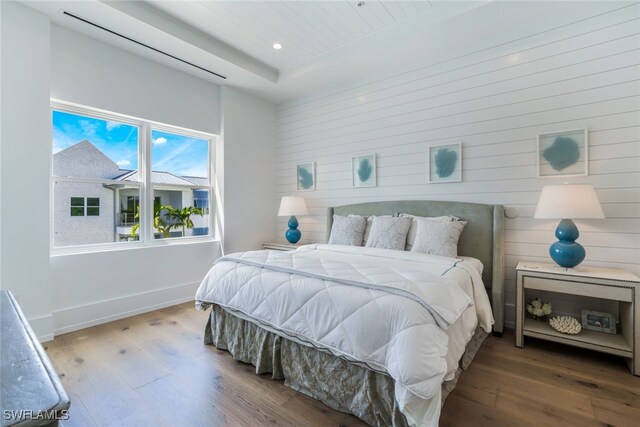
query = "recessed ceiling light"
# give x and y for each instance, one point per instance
(277, 46)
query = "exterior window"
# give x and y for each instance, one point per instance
(201, 200)
(180, 170)
(93, 206)
(77, 206)
(98, 189)
(81, 206)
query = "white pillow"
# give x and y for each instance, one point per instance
(347, 230)
(388, 232)
(438, 237)
(413, 230)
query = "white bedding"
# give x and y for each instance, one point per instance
(406, 314)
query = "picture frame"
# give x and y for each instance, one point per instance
(563, 153)
(599, 321)
(306, 176)
(445, 163)
(363, 171)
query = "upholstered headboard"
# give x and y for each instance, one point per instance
(482, 237)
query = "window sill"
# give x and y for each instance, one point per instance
(114, 247)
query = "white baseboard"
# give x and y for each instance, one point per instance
(43, 327)
(83, 316)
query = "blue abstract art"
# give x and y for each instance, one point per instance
(363, 171)
(445, 163)
(563, 153)
(306, 177)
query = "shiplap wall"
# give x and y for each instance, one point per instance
(495, 101)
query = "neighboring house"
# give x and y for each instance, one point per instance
(89, 213)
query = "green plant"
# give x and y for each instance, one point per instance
(182, 217)
(161, 213)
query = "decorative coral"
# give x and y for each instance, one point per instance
(565, 325)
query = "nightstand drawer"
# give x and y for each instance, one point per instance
(571, 287)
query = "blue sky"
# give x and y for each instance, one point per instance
(180, 155)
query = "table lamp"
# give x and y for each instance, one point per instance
(292, 206)
(567, 202)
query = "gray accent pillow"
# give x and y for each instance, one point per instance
(388, 232)
(347, 230)
(437, 237)
(413, 230)
(367, 228)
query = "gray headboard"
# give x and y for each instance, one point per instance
(482, 237)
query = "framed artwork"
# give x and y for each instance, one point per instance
(445, 163)
(306, 176)
(598, 321)
(563, 154)
(363, 171)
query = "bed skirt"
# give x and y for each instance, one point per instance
(338, 383)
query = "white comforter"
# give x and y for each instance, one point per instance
(389, 310)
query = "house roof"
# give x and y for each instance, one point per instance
(197, 180)
(83, 159)
(157, 177)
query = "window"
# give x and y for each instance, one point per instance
(201, 200)
(93, 206)
(77, 206)
(85, 206)
(99, 192)
(179, 170)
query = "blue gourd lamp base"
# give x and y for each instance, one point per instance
(293, 234)
(566, 252)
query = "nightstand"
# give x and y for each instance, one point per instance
(281, 246)
(619, 286)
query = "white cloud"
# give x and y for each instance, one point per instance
(61, 140)
(159, 141)
(113, 125)
(89, 129)
(123, 163)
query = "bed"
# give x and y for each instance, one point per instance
(376, 333)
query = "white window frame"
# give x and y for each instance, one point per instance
(145, 185)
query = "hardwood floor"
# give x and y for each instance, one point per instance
(154, 370)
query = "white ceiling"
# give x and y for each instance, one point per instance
(306, 29)
(322, 53)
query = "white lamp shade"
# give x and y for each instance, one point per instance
(291, 205)
(568, 201)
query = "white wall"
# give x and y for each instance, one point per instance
(89, 72)
(25, 143)
(65, 292)
(91, 288)
(495, 100)
(248, 170)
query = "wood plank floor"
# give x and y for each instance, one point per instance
(154, 370)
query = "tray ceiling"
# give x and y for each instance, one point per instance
(306, 29)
